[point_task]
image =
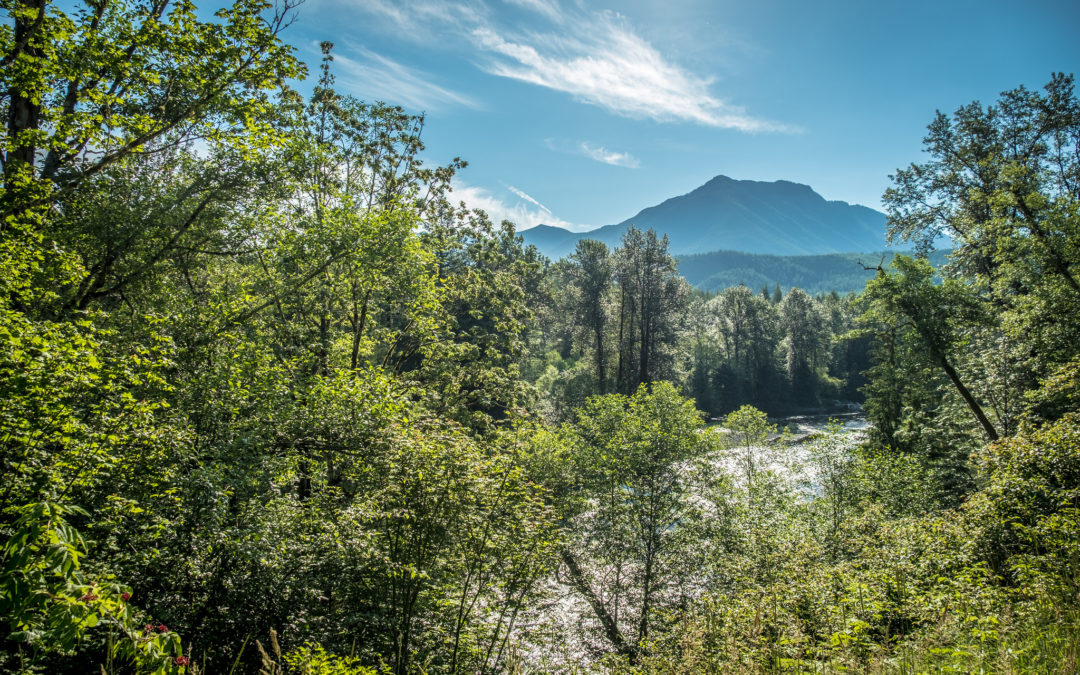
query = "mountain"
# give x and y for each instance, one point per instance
(777, 218)
(840, 272)
(554, 242)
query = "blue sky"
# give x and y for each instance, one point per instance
(581, 113)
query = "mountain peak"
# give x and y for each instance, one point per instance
(720, 179)
(727, 183)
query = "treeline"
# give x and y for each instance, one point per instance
(271, 402)
(610, 321)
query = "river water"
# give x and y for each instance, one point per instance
(790, 453)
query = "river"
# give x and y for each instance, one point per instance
(790, 452)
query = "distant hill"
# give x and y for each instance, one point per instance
(777, 218)
(840, 272)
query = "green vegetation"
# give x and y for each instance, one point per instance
(270, 402)
(815, 274)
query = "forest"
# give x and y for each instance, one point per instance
(272, 402)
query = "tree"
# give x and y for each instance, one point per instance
(651, 296)
(629, 455)
(243, 366)
(357, 193)
(1003, 183)
(847, 350)
(95, 96)
(471, 359)
(702, 331)
(835, 462)
(86, 89)
(592, 273)
(805, 340)
(936, 316)
(750, 334)
(748, 428)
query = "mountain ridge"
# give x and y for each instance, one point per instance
(778, 218)
(817, 273)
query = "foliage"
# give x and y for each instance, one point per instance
(310, 659)
(747, 428)
(623, 503)
(651, 297)
(911, 593)
(593, 270)
(52, 606)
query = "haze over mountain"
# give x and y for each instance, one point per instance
(776, 218)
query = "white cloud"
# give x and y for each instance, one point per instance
(595, 57)
(526, 197)
(376, 77)
(604, 63)
(602, 154)
(593, 151)
(521, 213)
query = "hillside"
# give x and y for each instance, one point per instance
(840, 272)
(775, 218)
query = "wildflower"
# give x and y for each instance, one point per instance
(181, 660)
(149, 628)
(162, 628)
(125, 596)
(89, 597)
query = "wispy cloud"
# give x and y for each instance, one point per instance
(604, 62)
(377, 77)
(422, 20)
(593, 151)
(527, 197)
(521, 212)
(602, 154)
(596, 57)
(551, 10)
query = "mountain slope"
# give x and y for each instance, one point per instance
(840, 272)
(778, 218)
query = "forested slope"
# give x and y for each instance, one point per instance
(815, 274)
(270, 402)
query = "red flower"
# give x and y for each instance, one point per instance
(162, 628)
(181, 660)
(125, 596)
(89, 597)
(149, 628)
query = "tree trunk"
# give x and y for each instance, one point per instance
(23, 111)
(646, 601)
(611, 630)
(976, 409)
(601, 374)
